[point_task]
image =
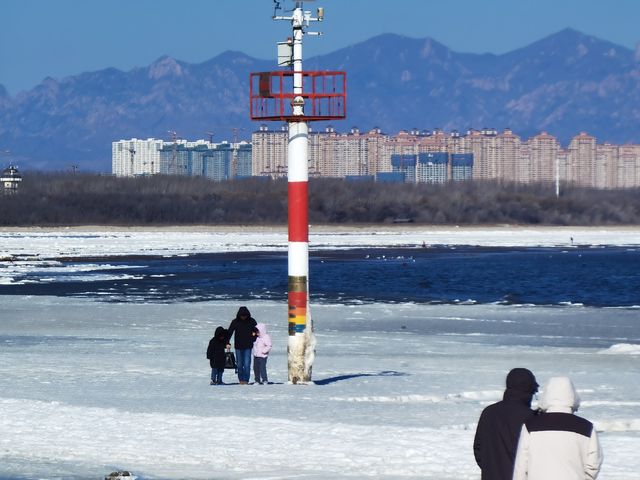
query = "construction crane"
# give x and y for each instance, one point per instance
(174, 154)
(132, 154)
(235, 131)
(5, 152)
(150, 172)
(174, 135)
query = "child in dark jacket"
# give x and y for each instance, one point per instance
(216, 354)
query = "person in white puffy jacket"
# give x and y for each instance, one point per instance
(261, 349)
(558, 445)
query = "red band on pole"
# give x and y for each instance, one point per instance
(298, 212)
(298, 299)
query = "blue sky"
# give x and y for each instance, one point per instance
(58, 38)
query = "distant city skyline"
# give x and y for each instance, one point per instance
(411, 156)
(41, 38)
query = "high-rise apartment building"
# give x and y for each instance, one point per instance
(405, 163)
(475, 142)
(456, 143)
(581, 168)
(493, 154)
(244, 161)
(177, 159)
(375, 141)
(606, 166)
(433, 167)
(506, 156)
(329, 153)
(218, 161)
(356, 158)
(136, 157)
(628, 168)
(269, 151)
(542, 158)
(461, 166)
(435, 141)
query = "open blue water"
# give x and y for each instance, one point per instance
(604, 276)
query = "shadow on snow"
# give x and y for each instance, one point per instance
(339, 378)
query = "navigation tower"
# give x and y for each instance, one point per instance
(297, 97)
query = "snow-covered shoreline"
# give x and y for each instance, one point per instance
(93, 241)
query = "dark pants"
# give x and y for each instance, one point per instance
(260, 369)
(243, 359)
(216, 375)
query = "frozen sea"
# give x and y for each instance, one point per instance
(92, 382)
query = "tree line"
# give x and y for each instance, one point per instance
(61, 199)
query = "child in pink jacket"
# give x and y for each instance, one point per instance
(261, 349)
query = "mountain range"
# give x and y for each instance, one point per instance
(563, 84)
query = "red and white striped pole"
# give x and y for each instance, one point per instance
(301, 345)
(301, 342)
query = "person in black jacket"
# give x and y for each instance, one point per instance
(244, 329)
(496, 440)
(215, 354)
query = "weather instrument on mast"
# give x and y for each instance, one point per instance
(320, 95)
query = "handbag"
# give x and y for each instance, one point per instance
(230, 361)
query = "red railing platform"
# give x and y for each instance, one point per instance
(324, 94)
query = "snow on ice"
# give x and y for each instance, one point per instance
(88, 387)
(83, 242)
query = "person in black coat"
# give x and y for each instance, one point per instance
(215, 354)
(243, 327)
(496, 440)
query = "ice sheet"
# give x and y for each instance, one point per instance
(54, 243)
(87, 388)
